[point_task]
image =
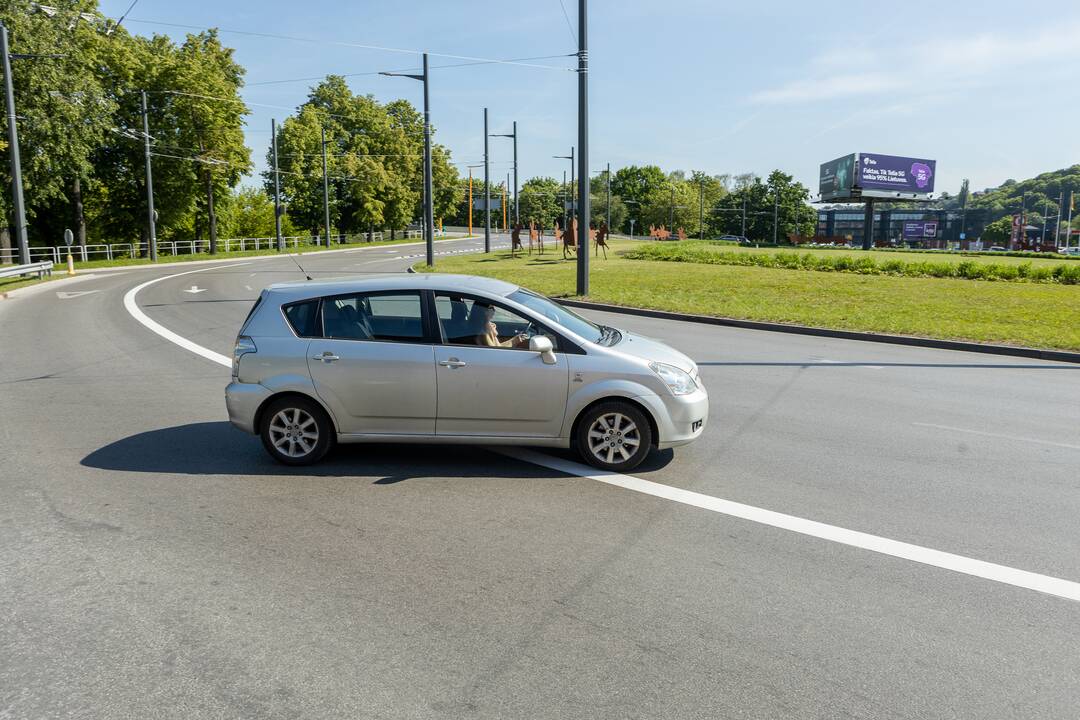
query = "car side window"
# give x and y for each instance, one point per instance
(374, 316)
(303, 317)
(472, 321)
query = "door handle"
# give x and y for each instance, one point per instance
(326, 357)
(452, 363)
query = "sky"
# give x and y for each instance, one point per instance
(986, 87)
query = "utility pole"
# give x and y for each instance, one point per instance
(151, 241)
(517, 219)
(428, 221)
(277, 189)
(487, 190)
(671, 212)
(607, 212)
(1068, 224)
(507, 185)
(470, 200)
(583, 145)
(1057, 223)
(775, 213)
(701, 209)
(1046, 207)
(325, 190)
(13, 141)
(743, 233)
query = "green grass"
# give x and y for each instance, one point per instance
(864, 263)
(1028, 314)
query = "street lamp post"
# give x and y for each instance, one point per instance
(607, 211)
(514, 136)
(429, 209)
(567, 211)
(701, 209)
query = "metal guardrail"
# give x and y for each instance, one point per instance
(41, 269)
(111, 251)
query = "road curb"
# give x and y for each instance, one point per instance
(960, 345)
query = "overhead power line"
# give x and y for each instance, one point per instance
(342, 43)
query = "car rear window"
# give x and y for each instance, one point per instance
(303, 317)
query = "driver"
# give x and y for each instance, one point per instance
(488, 333)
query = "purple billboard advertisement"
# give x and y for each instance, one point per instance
(895, 174)
(921, 229)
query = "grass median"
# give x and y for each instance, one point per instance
(1039, 315)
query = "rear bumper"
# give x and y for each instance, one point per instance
(242, 400)
(680, 419)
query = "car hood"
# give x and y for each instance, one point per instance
(655, 351)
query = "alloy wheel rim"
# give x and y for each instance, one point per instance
(614, 437)
(294, 432)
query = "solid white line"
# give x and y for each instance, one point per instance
(874, 543)
(999, 435)
(133, 309)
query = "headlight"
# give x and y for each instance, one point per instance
(678, 381)
(244, 345)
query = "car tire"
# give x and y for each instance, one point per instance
(613, 436)
(296, 431)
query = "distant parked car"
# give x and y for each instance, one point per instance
(1069, 251)
(741, 239)
(996, 248)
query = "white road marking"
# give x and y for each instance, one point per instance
(875, 543)
(133, 309)
(999, 435)
(247, 287)
(80, 293)
(916, 553)
(194, 290)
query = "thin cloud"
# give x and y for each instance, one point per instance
(933, 65)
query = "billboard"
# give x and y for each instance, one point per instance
(894, 174)
(836, 178)
(921, 229)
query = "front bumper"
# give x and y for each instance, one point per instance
(680, 419)
(242, 400)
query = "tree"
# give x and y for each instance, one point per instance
(249, 213)
(998, 232)
(540, 201)
(64, 109)
(779, 197)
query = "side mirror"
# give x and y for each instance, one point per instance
(542, 345)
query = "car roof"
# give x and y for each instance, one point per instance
(303, 289)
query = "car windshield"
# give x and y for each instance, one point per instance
(561, 315)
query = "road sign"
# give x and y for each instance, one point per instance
(69, 237)
(963, 236)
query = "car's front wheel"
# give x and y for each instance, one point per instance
(296, 431)
(614, 436)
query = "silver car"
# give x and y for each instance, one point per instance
(454, 359)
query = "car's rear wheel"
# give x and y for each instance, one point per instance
(614, 436)
(296, 431)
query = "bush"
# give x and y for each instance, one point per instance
(703, 253)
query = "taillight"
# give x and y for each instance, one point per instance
(244, 345)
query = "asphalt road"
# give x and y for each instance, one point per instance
(155, 563)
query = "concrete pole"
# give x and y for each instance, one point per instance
(151, 240)
(583, 147)
(17, 206)
(325, 190)
(487, 190)
(429, 198)
(517, 218)
(277, 189)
